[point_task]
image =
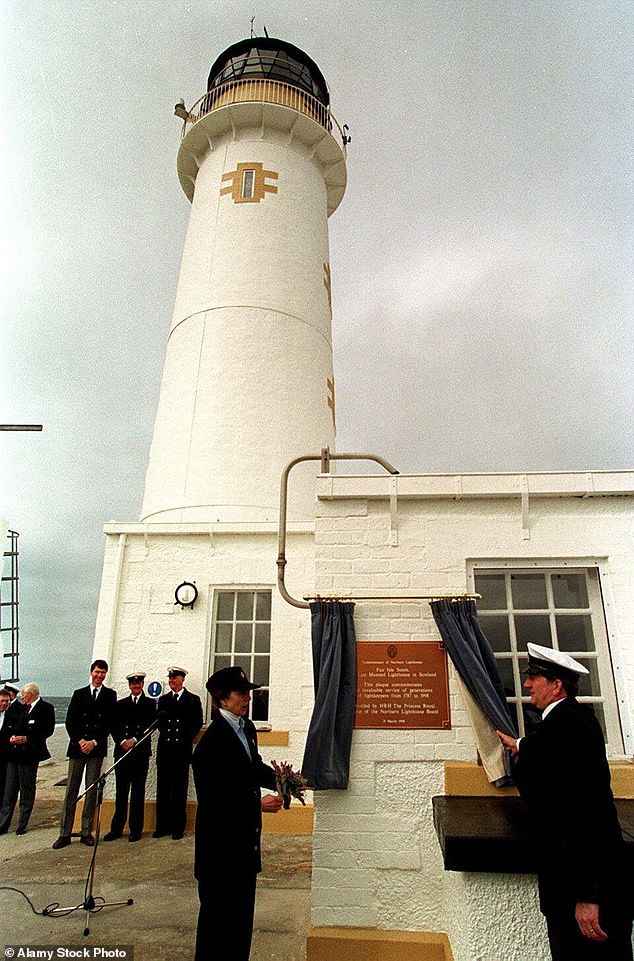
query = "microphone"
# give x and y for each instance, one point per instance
(160, 717)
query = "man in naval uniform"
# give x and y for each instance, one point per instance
(563, 776)
(5, 700)
(132, 717)
(228, 774)
(180, 720)
(88, 722)
(29, 726)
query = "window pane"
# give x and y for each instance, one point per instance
(244, 606)
(247, 183)
(532, 717)
(496, 630)
(574, 632)
(505, 666)
(262, 638)
(493, 591)
(225, 605)
(529, 591)
(589, 684)
(260, 670)
(534, 628)
(260, 705)
(223, 637)
(263, 606)
(244, 663)
(513, 712)
(220, 662)
(244, 634)
(570, 590)
(600, 716)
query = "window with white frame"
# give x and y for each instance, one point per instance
(556, 607)
(241, 634)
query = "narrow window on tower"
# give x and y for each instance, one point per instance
(248, 184)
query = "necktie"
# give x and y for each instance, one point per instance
(94, 693)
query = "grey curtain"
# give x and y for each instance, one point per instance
(326, 761)
(473, 658)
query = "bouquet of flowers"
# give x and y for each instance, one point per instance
(290, 783)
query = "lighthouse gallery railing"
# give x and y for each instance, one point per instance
(262, 91)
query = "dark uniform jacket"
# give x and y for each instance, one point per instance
(179, 725)
(37, 723)
(229, 813)
(131, 720)
(563, 776)
(90, 720)
(5, 734)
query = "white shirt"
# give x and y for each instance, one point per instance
(237, 723)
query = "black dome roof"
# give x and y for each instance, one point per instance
(265, 57)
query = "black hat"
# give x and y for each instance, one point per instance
(230, 679)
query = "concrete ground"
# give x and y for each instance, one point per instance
(157, 874)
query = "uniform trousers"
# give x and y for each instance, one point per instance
(130, 777)
(20, 779)
(225, 919)
(76, 768)
(3, 775)
(567, 943)
(172, 783)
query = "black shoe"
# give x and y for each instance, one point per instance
(88, 840)
(61, 842)
(111, 836)
(160, 834)
(4, 830)
(134, 837)
(177, 837)
(20, 831)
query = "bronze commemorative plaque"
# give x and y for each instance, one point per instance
(402, 684)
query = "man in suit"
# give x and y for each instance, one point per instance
(88, 722)
(29, 727)
(181, 718)
(132, 717)
(562, 773)
(228, 774)
(5, 700)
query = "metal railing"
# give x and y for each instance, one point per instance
(260, 90)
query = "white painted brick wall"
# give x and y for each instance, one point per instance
(378, 836)
(150, 633)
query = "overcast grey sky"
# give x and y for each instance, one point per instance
(481, 258)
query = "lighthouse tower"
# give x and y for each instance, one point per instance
(248, 382)
(247, 387)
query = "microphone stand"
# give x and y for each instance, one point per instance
(89, 904)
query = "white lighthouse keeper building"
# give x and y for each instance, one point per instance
(247, 386)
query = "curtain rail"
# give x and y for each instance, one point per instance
(392, 597)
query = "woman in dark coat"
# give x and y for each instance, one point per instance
(228, 775)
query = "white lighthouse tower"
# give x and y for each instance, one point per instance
(248, 381)
(247, 387)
